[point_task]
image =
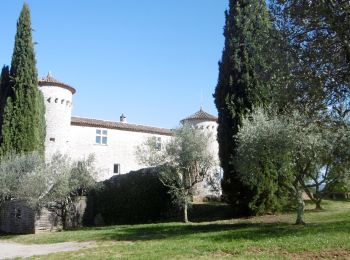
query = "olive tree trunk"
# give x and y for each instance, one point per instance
(300, 208)
(185, 215)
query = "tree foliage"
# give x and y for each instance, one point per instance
(5, 92)
(23, 128)
(263, 149)
(247, 74)
(132, 198)
(183, 162)
(70, 180)
(292, 154)
(318, 34)
(27, 177)
(23, 177)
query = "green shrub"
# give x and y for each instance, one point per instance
(136, 197)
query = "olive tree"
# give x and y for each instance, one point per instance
(263, 157)
(54, 184)
(70, 180)
(183, 162)
(292, 153)
(24, 177)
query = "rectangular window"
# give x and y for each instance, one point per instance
(101, 136)
(158, 143)
(116, 168)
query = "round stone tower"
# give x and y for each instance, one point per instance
(206, 122)
(58, 113)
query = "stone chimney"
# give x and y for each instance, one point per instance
(123, 119)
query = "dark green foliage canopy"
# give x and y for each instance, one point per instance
(23, 121)
(244, 75)
(5, 92)
(136, 197)
(319, 33)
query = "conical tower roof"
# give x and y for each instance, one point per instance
(49, 80)
(200, 115)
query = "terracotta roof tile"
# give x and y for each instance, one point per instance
(79, 121)
(200, 115)
(49, 80)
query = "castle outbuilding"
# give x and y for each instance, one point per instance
(113, 143)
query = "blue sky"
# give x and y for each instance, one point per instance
(156, 61)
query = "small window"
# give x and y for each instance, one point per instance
(52, 139)
(56, 100)
(101, 136)
(116, 168)
(158, 143)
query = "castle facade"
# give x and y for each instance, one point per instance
(113, 144)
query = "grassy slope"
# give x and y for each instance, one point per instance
(327, 234)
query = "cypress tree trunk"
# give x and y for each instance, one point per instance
(24, 123)
(243, 83)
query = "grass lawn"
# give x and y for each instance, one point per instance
(326, 235)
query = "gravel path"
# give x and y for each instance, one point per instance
(11, 250)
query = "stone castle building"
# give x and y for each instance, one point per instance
(113, 143)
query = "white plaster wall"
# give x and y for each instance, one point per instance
(58, 105)
(121, 147)
(210, 128)
(203, 189)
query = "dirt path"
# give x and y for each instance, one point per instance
(11, 250)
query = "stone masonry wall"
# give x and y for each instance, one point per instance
(17, 218)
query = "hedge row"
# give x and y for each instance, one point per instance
(136, 197)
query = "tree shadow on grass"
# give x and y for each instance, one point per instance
(6, 236)
(205, 212)
(221, 232)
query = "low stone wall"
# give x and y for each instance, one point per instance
(75, 217)
(17, 218)
(46, 221)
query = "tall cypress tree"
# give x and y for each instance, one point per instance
(242, 84)
(5, 92)
(23, 124)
